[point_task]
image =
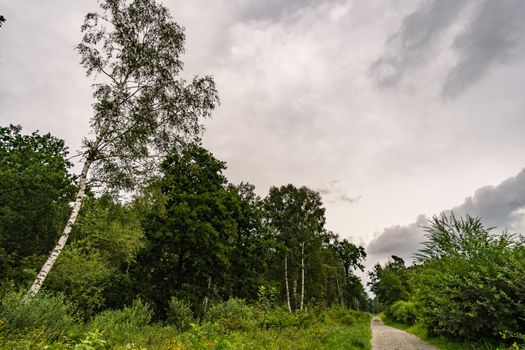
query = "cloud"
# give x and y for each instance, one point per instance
(398, 240)
(333, 193)
(479, 34)
(346, 198)
(275, 9)
(413, 43)
(492, 36)
(502, 206)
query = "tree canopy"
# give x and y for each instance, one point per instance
(35, 189)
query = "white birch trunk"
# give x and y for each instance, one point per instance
(53, 256)
(302, 276)
(286, 283)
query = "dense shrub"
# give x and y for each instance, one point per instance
(470, 284)
(402, 312)
(49, 312)
(180, 314)
(339, 315)
(119, 325)
(233, 314)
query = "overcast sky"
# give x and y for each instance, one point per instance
(393, 110)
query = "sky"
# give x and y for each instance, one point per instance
(394, 111)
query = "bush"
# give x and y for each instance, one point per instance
(233, 315)
(402, 312)
(470, 283)
(120, 325)
(339, 315)
(180, 314)
(50, 312)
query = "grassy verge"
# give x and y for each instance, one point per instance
(332, 328)
(440, 342)
(324, 332)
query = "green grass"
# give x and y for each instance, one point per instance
(331, 329)
(440, 342)
(318, 333)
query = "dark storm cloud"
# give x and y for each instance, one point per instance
(399, 240)
(412, 44)
(491, 34)
(498, 206)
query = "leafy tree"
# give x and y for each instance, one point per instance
(340, 259)
(254, 245)
(191, 241)
(298, 216)
(92, 271)
(35, 189)
(470, 284)
(142, 108)
(391, 282)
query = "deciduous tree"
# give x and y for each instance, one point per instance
(35, 189)
(142, 108)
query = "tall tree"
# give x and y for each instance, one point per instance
(142, 108)
(298, 215)
(190, 243)
(254, 244)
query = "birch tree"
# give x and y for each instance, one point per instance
(298, 215)
(142, 109)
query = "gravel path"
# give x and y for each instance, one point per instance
(388, 338)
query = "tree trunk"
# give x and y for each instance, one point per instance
(206, 296)
(339, 289)
(286, 283)
(302, 276)
(53, 256)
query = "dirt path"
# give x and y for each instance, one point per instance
(388, 338)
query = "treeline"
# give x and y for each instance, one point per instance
(188, 237)
(467, 283)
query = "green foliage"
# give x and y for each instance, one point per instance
(92, 341)
(48, 313)
(266, 297)
(391, 282)
(121, 325)
(233, 315)
(297, 215)
(91, 270)
(340, 315)
(143, 108)
(448, 235)
(254, 247)
(114, 229)
(403, 312)
(35, 189)
(80, 273)
(180, 314)
(471, 286)
(330, 331)
(190, 246)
